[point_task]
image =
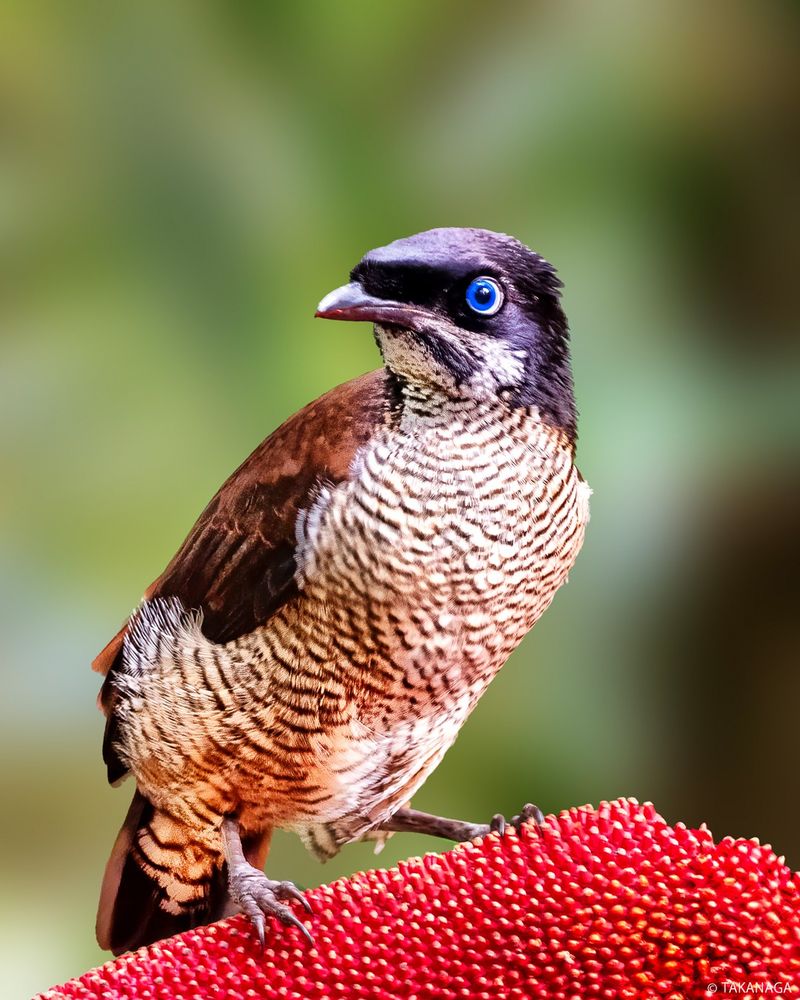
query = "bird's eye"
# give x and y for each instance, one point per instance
(484, 296)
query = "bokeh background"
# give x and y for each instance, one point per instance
(181, 182)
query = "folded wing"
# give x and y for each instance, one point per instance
(237, 564)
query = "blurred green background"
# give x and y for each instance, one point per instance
(180, 183)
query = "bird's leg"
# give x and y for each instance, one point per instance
(256, 894)
(414, 821)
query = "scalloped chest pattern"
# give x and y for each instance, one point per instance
(417, 578)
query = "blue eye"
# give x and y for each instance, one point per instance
(484, 296)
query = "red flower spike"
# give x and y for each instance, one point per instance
(607, 903)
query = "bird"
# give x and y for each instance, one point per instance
(315, 645)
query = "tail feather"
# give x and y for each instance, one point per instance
(158, 882)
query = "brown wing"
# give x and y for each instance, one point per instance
(237, 563)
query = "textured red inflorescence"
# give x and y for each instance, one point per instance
(609, 902)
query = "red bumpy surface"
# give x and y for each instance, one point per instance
(609, 902)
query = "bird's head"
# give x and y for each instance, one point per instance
(469, 313)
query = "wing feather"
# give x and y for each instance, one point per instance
(237, 563)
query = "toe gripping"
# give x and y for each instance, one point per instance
(257, 895)
(413, 821)
(528, 813)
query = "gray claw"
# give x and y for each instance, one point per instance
(288, 919)
(528, 813)
(290, 890)
(259, 923)
(498, 824)
(531, 812)
(294, 922)
(259, 896)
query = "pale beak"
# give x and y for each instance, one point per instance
(353, 303)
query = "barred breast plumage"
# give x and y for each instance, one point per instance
(417, 579)
(315, 645)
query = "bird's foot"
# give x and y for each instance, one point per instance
(529, 813)
(413, 821)
(258, 896)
